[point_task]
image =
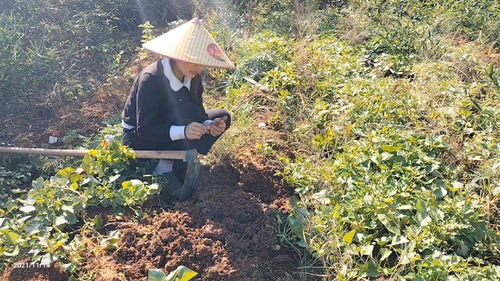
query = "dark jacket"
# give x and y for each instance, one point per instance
(152, 106)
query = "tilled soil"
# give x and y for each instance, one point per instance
(224, 232)
(24, 270)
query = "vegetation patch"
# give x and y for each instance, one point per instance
(382, 116)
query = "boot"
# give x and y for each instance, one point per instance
(180, 168)
(170, 186)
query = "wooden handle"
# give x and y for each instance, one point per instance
(144, 154)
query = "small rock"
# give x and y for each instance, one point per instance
(52, 140)
(283, 259)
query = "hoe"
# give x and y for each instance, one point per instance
(190, 156)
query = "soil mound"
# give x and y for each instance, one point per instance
(223, 232)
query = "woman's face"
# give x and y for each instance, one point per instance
(189, 69)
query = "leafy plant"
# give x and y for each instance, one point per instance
(379, 141)
(40, 223)
(391, 204)
(182, 273)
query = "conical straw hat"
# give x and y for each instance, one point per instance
(190, 42)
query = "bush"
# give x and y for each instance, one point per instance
(388, 205)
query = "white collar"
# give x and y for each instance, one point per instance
(175, 83)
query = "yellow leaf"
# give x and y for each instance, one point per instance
(349, 236)
(182, 273)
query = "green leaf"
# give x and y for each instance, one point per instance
(372, 269)
(455, 186)
(393, 228)
(463, 250)
(13, 237)
(397, 240)
(296, 225)
(420, 206)
(156, 275)
(302, 243)
(384, 240)
(114, 178)
(384, 254)
(60, 220)
(70, 218)
(74, 178)
(423, 218)
(440, 192)
(33, 227)
(98, 222)
(74, 186)
(182, 273)
(294, 202)
(390, 148)
(48, 259)
(348, 237)
(367, 250)
(480, 231)
(337, 211)
(153, 188)
(112, 241)
(27, 209)
(398, 158)
(322, 197)
(38, 183)
(13, 253)
(404, 258)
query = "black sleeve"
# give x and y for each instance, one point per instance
(149, 126)
(198, 92)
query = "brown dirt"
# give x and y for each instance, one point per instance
(224, 232)
(34, 273)
(31, 127)
(89, 114)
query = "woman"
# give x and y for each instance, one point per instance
(164, 110)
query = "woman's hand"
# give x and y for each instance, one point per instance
(195, 130)
(218, 126)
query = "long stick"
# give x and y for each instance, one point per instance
(145, 154)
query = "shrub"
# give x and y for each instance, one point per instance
(388, 205)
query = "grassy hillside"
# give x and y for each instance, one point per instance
(383, 116)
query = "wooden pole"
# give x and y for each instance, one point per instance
(144, 154)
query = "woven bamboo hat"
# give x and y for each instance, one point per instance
(190, 42)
